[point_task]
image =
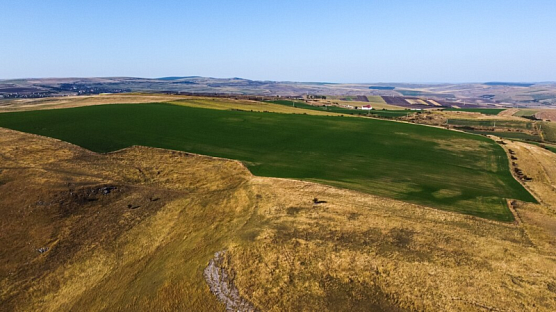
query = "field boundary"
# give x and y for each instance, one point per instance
(517, 217)
(132, 147)
(465, 196)
(306, 183)
(412, 205)
(508, 156)
(175, 151)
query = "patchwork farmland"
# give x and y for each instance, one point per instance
(429, 166)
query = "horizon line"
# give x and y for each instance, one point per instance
(279, 81)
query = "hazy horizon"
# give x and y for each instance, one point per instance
(284, 81)
(430, 41)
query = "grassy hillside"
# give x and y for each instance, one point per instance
(424, 165)
(144, 245)
(549, 130)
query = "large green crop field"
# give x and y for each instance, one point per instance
(425, 165)
(485, 111)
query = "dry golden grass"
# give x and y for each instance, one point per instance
(255, 106)
(508, 112)
(477, 116)
(351, 252)
(357, 252)
(138, 98)
(416, 102)
(78, 101)
(102, 254)
(539, 164)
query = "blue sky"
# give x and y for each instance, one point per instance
(303, 40)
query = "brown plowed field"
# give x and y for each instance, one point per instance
(546, 115)
(395, 100)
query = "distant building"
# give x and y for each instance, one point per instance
(366, 107)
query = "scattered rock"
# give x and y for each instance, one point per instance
(222, 287)
(316, 201)
(107, 189)
(552, 287)
(43, 250)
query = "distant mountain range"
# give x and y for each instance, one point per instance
(526, 94)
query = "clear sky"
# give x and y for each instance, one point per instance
(295, 40)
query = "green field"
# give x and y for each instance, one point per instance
(549, 131)
(526, 112)
(425, 165)
(347, 111)
(526, 125)
(550, 147)
(485, 111)
(511, 135)
(392, 113)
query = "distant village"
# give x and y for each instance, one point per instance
(67, 89)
